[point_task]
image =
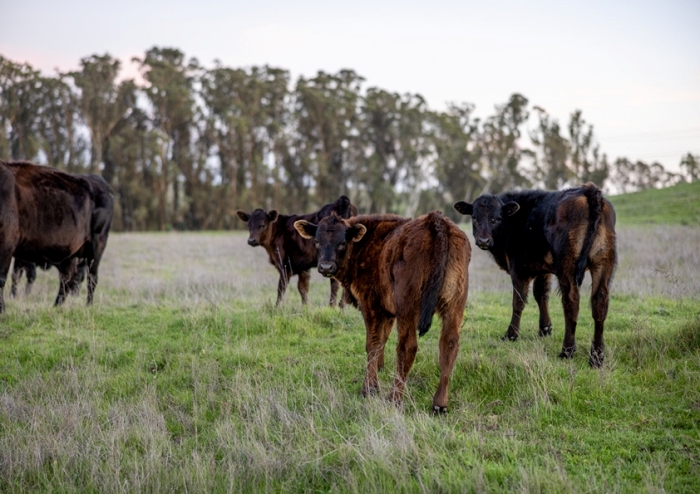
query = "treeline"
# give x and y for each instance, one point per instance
(191, 145)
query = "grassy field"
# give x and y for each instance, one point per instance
(677, 205)
(184, 377)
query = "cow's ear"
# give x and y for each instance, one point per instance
(243, 216)
(305, 229)
(510, 208)
(356, 232)
(272, 215)
(464, 207)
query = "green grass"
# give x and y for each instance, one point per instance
(677, 205)
(201, 386)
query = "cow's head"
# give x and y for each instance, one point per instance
(487, 214)
(259, 225)
(334, 238)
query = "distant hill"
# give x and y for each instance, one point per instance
(677, 205)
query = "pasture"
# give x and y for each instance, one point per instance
(184, 377)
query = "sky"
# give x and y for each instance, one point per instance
(631, 67)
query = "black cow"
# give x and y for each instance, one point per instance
(288, 251)
(534, 234)
(51, 217)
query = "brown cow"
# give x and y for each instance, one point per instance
(533, 234)
(51, 217)
(290, 253)
(403, 270)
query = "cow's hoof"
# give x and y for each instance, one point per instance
(596, 359)
(438, 410)
(369, 391)
(546, 331)
(568, 352)
(509, 337)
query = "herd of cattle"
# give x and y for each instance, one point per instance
(394, 269)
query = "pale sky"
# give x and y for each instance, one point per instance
(632, 67)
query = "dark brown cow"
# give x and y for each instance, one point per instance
(290, 253)
(534, 234)
(51, 217)
(403, 270)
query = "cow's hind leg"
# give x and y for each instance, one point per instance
(30, 268)
(520, 288)
(541, 292)
(449, 347)
(600, 297)
(570, 300)
(406, 349)
(378, 326)
(303, 285)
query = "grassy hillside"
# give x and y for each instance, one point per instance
(677, 205)
(184, 378)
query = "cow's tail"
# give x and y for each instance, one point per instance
(436, 274)
(595, 213)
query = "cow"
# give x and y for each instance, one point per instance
(289, 252)
(51, 217)
(533, 234)
(398, 269)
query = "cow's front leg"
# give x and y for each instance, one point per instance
(5, 260)
(541, 291)
(377, 326)
(520, 288)
(570, 300)
(282, 286)
(335, 285)
(66, 271)
(303, 285)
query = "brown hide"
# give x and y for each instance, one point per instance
(51, 217)
(403, 270)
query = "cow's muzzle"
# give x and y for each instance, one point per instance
(484, 243)
(253, 243)
(327, 269)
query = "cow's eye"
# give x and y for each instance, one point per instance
(316, 243)
(341, 246)
(494, 221)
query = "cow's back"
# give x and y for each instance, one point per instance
(52, 209)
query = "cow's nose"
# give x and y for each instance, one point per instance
(483, 242)
(252, 241)
(326, 268)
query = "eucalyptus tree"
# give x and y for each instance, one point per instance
(587, 162)
(134, 151)
(58, 127)
(459, 167)
(690, 164)
(377, 172)
(170, 90)
(103, 102)
(631, 176)
(500, 143)
(246, 111)
(551, 167)
(20, 105)
(326, 111)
